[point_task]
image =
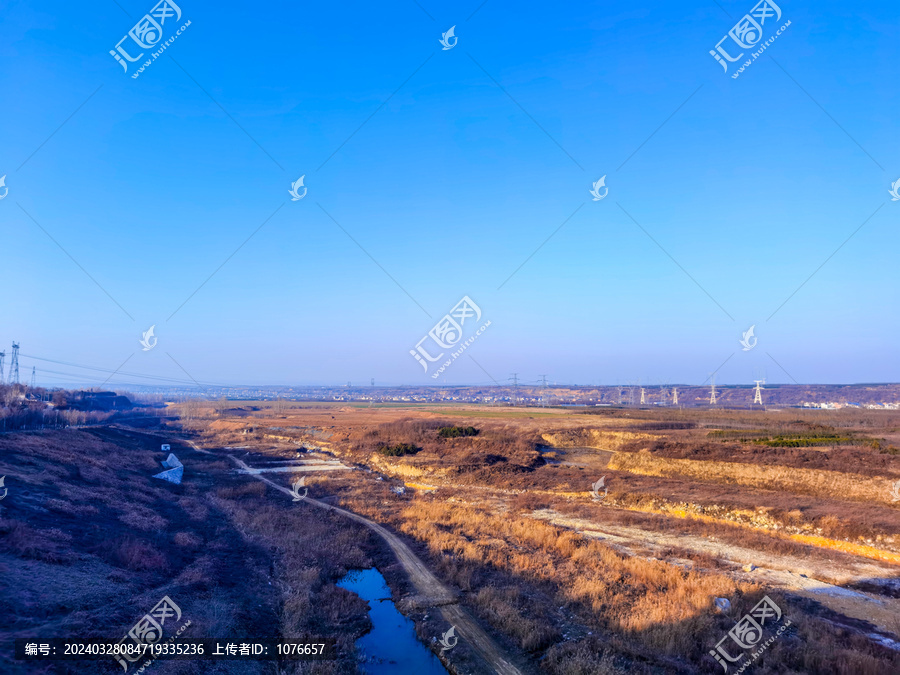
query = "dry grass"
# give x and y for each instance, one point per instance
(791, 479)
(90, 542)
(574, 604)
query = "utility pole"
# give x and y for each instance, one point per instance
(515, 381)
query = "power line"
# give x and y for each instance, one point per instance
(108, 371)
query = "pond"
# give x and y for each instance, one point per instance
(391, 647)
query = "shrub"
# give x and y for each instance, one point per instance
(254, 489)
(138, 555)
(26, 542)
(398, 450)
(144, 520)
(456, 432)
(187, 539)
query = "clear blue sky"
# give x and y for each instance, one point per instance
(450, 183)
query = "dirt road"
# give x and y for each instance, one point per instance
(430, 591)
(808, 577)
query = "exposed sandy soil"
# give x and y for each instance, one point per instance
(789, 573)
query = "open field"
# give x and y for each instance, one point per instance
(496, 513)
(627, 581)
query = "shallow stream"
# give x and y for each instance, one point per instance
(391, 647)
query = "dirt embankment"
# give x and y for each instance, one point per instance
(593, 438)
(791, 479)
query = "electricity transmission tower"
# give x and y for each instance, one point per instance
(515, 380)
(712, 389)
(757, 395)
(2, 356)
(643, 397)
(664, 393)
(543, 388)
(674, 395)
(32, 378)
(14, 364)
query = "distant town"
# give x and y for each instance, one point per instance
(868, 396)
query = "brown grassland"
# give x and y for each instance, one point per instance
(89, 543)
(575, 602)
(568, 581)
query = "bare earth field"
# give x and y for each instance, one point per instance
(488, 519)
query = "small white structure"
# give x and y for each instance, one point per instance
(174, 469)
(165, 448)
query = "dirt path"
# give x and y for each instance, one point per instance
(430, 592)
(801, 576)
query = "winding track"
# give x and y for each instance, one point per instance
(430, 591)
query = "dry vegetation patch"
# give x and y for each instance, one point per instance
(579, 606)
(89, 541)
